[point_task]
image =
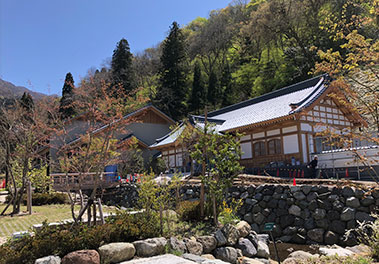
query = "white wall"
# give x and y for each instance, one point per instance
(304, 145)
(246, 150)
(291, 144)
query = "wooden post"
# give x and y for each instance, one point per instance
(100, 211)
(89, 214)
(29, 197)
(94, 213)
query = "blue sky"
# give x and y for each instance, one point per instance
(42, 40)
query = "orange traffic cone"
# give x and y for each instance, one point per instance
(294, 181)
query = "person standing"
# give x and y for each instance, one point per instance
(313, 166)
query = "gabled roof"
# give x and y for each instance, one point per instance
(125, 117)
(171, 137)
(280, 103)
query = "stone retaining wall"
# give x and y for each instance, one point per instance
(307, 214)
(302, 214)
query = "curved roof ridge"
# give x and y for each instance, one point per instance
(283, 91)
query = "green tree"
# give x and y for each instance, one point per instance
(173, 88)
(198, 95)
(213, 89)
(121, 67)
(220, 154)
(66, 107)
(26, 101)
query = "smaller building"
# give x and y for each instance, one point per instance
(147, 123)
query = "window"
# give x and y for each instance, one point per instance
(274, 146)
(259, 149)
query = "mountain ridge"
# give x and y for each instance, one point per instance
(9, 90)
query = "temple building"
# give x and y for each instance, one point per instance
(279, 128)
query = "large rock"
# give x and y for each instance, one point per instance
(263, 251)
(299, 195)
(336, 250)
(227, 254)
(177, 245)
(347, 191)
(347, 214)
(330, 238)
(319, 214)
(248, 249)
(295, 210)
(194, 247)
(338, 227)
(231, 234)
(87, 257)
(116, 252)
(299, 254)
(258, 218)
(368, 200)
(362, 216)
(150, 247)
(243, 228)
(220, 237)
(316, 235)
(352, 202)
(209, 243)
(48, 260)
(253, 237)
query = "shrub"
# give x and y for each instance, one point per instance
(368, 233)
(44, 198)
(189, 210)
(228, 213)
(47, 198)
(60, 240)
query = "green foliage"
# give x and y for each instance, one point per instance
(121, 67)
(228, 213)
(66, 107)
(189, 210)
(40, 179)
(172, 91)
(60, 241)
(220, 154)
(368, 234)
(199, 93)
(47, 198)
(147, 193)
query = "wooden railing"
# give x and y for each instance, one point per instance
(83, 181)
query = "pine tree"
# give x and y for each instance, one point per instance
(173, 88)
(213, 87)
(198, 95)
(228, 96)
(66, 107)
(121, 66)
(27, 102)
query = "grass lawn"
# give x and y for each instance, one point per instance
(51, 213)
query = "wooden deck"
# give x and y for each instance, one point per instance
(83, 181)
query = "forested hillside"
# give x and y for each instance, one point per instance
(241, 51)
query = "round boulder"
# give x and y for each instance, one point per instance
(84, 257)
(227, 254)
(209, 243)
(48, 260)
